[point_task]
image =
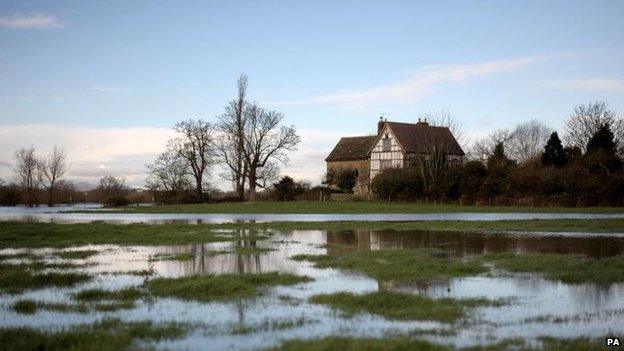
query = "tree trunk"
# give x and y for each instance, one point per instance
(251, 195)
(199, 189)
(50, 194)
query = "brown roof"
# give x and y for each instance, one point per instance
(351, 149)
(420, 137)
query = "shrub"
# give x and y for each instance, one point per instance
(398, 184)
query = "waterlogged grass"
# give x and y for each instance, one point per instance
(127, 294)
(398, 265)
(403, 344)
(76, 255)
(219, 287)
(252, 250)
(566, 268)
(31, 307)
(349, 207)
(358, 344)
(108, 335)
(533, 225)
(17, 278)
(20, 234)
(401, 306)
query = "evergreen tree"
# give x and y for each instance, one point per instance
(554, 154)
(601, 156)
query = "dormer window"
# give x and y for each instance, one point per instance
(386, 143)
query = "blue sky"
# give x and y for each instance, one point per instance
(332, 67)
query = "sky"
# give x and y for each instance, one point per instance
(106, 81)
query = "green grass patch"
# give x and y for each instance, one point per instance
(248, 250)
(17, 278)
(31, 307)
(21, 234)
(108, 335)
(349, 207)
(219, 287)
(566, 268)
(127, 294)
(358, 344)
(399, 265)
(77, 255)
(401, 306)
(403, 344)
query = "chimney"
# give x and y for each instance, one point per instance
(421, 122)
(380, 125)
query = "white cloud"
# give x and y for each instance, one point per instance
(109, 89)
(421, 83)
(95, 152)
(36, 21)
(591, 84)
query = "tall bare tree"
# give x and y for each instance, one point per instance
(196, 145)
(230, 144)
(53, 167)
(28, 172)
(527, 141)
(265, 144)
(446, 118)
(586, 120)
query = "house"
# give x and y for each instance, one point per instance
(395, 145)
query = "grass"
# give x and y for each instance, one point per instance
(547, 225)
(20, 234)
(401, 306)
(247, 250)
(398, 265)
(17, 278)
(349, 207)
(127, 294)
(76, 255)
(566, 268)
(403, 344)
(31, 307)
(219, 287)
(108, 335)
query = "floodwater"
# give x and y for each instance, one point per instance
(538, 307)
(64, 215)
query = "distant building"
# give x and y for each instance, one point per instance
(396, 145)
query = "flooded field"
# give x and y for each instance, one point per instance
(527, 305)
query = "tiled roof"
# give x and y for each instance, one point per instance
(352, 149)
(421, 138)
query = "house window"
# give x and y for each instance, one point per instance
(386, 143)
(385, 164)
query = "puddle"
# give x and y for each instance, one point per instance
(539, 307)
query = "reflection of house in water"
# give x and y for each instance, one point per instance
(463, 244)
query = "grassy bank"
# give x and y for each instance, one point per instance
(400, 306)
(20, 234)
(350, 207)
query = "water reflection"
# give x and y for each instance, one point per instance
(540, 307)
(470, 244)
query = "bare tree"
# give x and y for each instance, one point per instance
(169, 172)
(482, 149)
(196, 146)
(586, 120)
(446, 118)
(28, 171)
(265, 143)
(230, 145)
(110, 187)
(527, 140)
(53, 167)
